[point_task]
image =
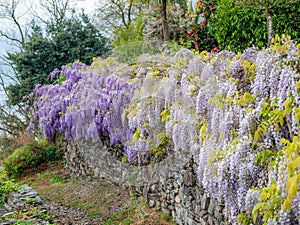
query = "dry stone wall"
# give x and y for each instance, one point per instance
(170, 186)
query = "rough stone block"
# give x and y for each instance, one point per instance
(218, 212)
(151, 203)
(166, 211)
(158, 204)
(177, 199)
(190, 221)
(153, 188)
(205, 201)
(216, 222)
(96, 172)
(211, 207)
(202, 221)
(210, 220)
(188, 179)
(202, 213)
(171, 207)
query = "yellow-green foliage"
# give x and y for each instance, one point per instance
(165, 115)
(245, 100)
(270, 203)
(249, 70)
(29, 156)
(291, 152)
(23, 158)
(136, 135)
(243, 218)
(270, 116)
(206, 56)
(203, 131)
(265, 156)
(99, 64)
(271, 198)
(280, 44)
(162, 148)
(6, 186)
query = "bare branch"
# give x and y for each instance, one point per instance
(3, 85)
(55, 10)
(15, 20)
(5, 62)
(10, 122)
(11, 10)
(10, 38)
(115, 13)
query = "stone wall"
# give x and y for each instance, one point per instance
(170, 186)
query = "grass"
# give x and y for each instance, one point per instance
(101, 199)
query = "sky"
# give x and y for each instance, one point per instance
(87, 5)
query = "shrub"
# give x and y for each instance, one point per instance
(237, 28)
(286, 20)
(30, 155)
(23, 138)
(51, 153)
(200, 32)
(6, 186)
(23, 158)
(5, 142)
(9, 143)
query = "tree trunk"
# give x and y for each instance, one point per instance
(270, 27)
(129, 12)
(163, 12)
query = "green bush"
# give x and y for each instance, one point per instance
(130, 34)
(30, 155)
(237, 28)
(51, 153)
(23, 158)
(286, 20)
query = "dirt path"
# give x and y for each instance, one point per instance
(80, 201)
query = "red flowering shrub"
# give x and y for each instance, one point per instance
(201, 30)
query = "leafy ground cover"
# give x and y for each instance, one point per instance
(98, 200)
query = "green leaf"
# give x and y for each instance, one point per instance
(261, 130)
(297, 115)
(255, 211)
(288, 105)
(165, 115)
(292, 189)
(294, 165)
(136, 135)
(264, 156)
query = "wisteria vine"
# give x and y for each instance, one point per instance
(238, 114)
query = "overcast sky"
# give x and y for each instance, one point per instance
(87, 5)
